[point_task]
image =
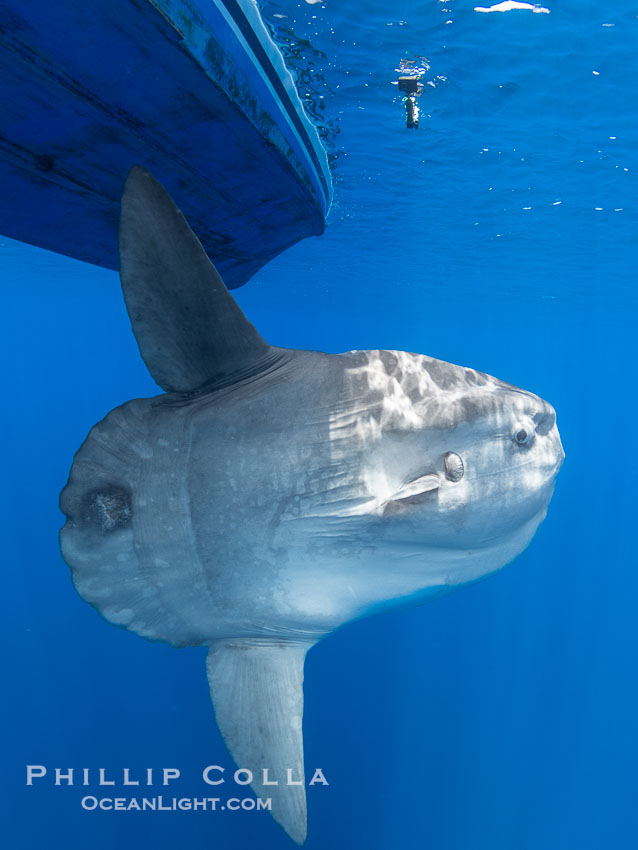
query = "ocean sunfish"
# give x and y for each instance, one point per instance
(271, 495)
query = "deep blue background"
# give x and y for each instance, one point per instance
(502, 716)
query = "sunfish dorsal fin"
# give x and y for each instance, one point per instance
(257, 693)
(190, 330)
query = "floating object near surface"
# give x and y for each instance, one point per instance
(197, 91)
(410, 84)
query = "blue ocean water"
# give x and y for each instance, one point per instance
(501, 235)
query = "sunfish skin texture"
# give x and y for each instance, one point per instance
(283, 493)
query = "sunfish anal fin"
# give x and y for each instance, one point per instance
(190, 330)
(257, 692)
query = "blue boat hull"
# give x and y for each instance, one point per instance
(192, 91)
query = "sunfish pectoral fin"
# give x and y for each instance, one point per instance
(408, 493)
(423, 484)
(190, 330)
(257, 693)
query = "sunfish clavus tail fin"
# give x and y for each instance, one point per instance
(190, 330)
(257, 693)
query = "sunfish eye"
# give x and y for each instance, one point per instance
(523, 436)
(454, 468)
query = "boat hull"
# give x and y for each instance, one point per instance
(88, 90)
